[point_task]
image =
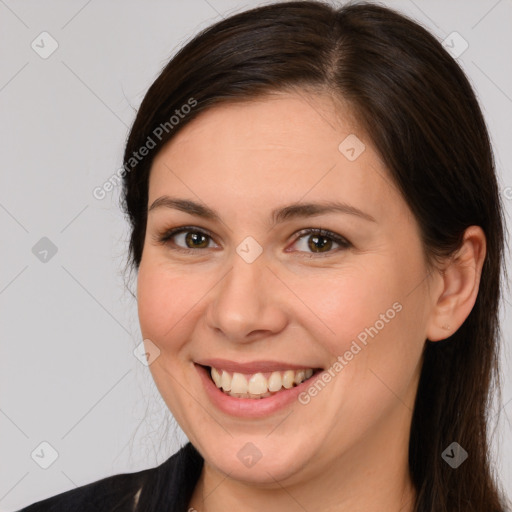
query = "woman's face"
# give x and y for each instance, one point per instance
(247, 289)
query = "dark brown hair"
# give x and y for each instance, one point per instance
(418, 109)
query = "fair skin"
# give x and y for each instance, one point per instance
(347, 448)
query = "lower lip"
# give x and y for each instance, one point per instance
(251, 407)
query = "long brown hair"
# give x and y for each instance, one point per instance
(419, 110)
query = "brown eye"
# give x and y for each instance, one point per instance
(310, 241)
(196, 240)
(186, 238)
(320, 241)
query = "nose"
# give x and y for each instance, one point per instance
(245, 306)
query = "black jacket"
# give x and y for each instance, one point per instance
(167, 487)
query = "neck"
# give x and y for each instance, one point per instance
(215, 494)
(373, 477)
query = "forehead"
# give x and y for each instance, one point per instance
(293, 122)
(281, 146)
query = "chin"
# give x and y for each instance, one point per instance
(258, 459)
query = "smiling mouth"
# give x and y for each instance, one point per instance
(258, 385)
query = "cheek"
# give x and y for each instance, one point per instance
(164, 300)
(347, 302)
(152, 298)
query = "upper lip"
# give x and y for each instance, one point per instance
(252, 366)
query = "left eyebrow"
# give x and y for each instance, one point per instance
(297, 210)
(278, 215)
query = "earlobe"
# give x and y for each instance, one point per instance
(461, 281)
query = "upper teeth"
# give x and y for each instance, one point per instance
(237, 384)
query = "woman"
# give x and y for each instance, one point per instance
(317, 235)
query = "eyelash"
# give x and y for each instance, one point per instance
(164, 238)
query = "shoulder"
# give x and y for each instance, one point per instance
(103, 494)
(123, 491)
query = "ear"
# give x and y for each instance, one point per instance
(460, 282)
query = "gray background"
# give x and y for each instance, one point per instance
(68, 374)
